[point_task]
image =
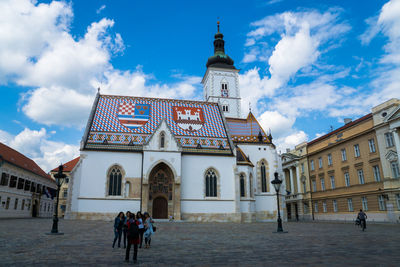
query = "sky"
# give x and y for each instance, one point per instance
(304, 65)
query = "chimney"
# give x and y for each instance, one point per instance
(347, 120)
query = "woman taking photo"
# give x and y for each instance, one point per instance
(148, 224)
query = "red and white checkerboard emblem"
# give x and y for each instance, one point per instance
(133, 115)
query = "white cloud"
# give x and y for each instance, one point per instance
(98, 11)
(36, 145)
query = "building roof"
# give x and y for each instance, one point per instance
(124, 122)
(14, 157)
(348, 125)
(241, 158)
(68, 166)
(220, 59)
(247, 130)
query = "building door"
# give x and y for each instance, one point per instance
(289, 211)
(296, 211)
(160, 208)
(35, 209)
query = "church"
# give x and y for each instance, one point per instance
(177, 159)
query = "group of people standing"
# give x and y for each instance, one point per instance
(133, 228)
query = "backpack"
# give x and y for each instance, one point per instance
(133, 230)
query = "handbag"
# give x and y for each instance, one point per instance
(154, 228)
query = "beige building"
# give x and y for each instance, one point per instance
(386, 117)
(298, 195)
(346, 173)
(68, 167)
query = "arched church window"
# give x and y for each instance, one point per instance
(224, 89)
(251, 185)
(264, 186)
(114, 183)
(211, 183)
(162, 140)
(242, 186)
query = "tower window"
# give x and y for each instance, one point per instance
(224, 89)
(162, 140)
(225, 108)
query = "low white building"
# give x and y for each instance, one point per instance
(25, 189)
(190, 160)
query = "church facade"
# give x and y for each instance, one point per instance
(180, 159)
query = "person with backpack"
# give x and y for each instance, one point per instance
(139, 218)
(133, 237)
(118, 224)
(362, 217)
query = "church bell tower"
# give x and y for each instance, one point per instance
(221, 81)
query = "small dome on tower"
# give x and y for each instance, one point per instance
(220, 59)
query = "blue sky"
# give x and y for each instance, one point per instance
(305, 65)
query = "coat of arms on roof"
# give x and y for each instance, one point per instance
(132, 115)
(189, 118)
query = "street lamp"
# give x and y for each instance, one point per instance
(59, 176)
(277, 184)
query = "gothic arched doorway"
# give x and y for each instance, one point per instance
(161, 191)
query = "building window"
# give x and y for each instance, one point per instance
(312, 165)
(381, 202)
(39, 188)
(66, 180)
(347, 179)
(344, 156)
(314, 185)
(324, 206)
(371, 143)
(225, 108)
(377, 174)
(334, 203)
(333, 182)
(395, 169)
(304, 187)
(330, 159)
(23, 204)
(20, 183)
(350, 204)
(398, 201)
(33, 187)
(162, 140)
(27, 185)
(224, 89)
(364, 203)
(316, 206)
(302, 168)
(13, 181)
(322, 184)
(242, 187)
(356, 151)
(4, 179)
(320, 162)
(251, 185)
(360, 174)
(114, 182)
(16, 204)
(264, 186)
(211, 183)
(389, 139)
(8, 203)
(65, 193)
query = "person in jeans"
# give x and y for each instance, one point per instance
(118, 224)
(362, 216)
(132, 240)
(139, 218)
(148, 224)
(125, 228)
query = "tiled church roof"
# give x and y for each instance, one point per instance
(68, 166)
(246, 130)
(241, 158)
(14, 157)
(121, 122)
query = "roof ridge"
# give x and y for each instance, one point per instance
(161, 99)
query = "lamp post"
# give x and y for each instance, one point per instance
(59, 176)
(277, 184)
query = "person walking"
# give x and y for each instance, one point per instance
(133, 237)
(148, 224)
(118, 224)
(139, 218)
(125, 227)
(362, 216)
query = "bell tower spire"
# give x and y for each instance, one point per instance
(221, 81)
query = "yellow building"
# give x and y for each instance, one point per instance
(68, 167)
(298, 195)
(387, 126)
(346, 173)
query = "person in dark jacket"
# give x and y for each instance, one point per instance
(362, 217)
(118, 224)
(139, 218)
(132, 240)
(125, 227)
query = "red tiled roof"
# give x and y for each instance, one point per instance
(68, 166)
(340, 129)
(246, 130)
(14, 157)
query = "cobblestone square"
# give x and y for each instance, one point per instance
(88, 243)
